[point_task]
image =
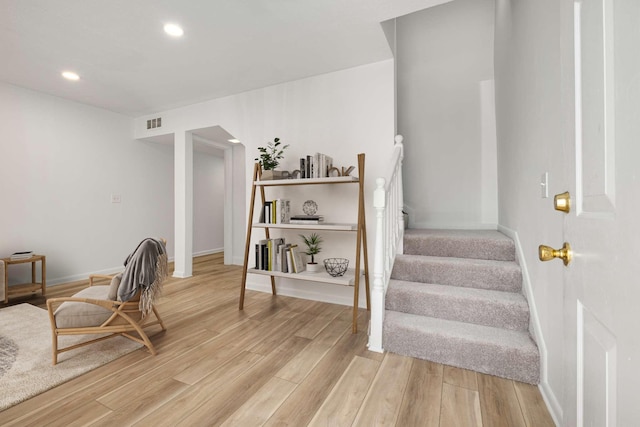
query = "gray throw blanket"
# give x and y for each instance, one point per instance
(145, 270)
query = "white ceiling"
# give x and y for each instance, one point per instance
(128, 65)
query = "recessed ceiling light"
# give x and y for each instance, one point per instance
(235, 141)
(173, 30)
(70, 75)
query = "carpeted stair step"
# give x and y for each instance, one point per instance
(479, 244)
(473, 273)
(507, 310)
(495, 351)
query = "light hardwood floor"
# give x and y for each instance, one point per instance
(280, 362)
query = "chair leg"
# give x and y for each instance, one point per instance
(54, 347)
(159, 319)
(141, 333)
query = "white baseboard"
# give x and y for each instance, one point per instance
(555, 409)
(208, 252)
(82, 276)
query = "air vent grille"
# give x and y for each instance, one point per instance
(154, 123)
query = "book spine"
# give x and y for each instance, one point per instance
(274, 211)
(303, 168)
(264, 257)
(257, 256)
(308, 172)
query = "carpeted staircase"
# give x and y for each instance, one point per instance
(455, 297)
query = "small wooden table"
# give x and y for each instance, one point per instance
(25, 288)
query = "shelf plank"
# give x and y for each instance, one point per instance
(323, 226)
(23, 289)
(321, 276)
(308, 181)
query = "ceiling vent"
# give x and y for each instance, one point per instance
(154, 123)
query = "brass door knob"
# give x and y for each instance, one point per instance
(547, 253)
(562, 202)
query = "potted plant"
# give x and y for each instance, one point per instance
(313, 248)
(269, 159)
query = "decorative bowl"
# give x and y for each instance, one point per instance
(336, 267)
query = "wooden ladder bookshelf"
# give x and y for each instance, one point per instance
(352, 277)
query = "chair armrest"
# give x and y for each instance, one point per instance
(99, 276)
(108, 304)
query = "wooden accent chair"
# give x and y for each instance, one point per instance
(98, 310)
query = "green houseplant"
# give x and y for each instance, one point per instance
(270, 157)
(313, 248)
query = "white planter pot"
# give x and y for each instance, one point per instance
(314, 268)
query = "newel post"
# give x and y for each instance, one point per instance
(377, 293)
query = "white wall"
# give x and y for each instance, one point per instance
(60, 162)
(446, 114)
(529, 128)
(340, 114)
(208, 203)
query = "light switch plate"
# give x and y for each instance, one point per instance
(116, 198)
(544, 185)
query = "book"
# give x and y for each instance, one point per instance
(21, 255)
(261, 254)
(284, 268)
(306, 221)
(275, 251)
(284, 211)
(303, 168)
(298, 264)
(265, 216)
(315, 217)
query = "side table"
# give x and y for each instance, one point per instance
(25, 288)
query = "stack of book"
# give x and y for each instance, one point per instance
(306, 219)
(276, 255)
(276, 212)
(21, 255)
(316, 166)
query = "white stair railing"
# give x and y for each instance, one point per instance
(388, 203)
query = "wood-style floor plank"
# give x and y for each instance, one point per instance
(533, 408)
(300, 366)
(301, 406)
(499, 402)
(279, 362)
(460, 377)
(259, 407)
(172, 412)
(217, 409)
(341, 406)
(382, 403)
(422, 398)
(460, 407)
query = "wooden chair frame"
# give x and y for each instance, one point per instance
(124, 320)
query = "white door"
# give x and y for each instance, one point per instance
(601, 87)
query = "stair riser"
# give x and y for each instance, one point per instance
(507, 315)
(505, 278)
(476, 356)
(459, 248)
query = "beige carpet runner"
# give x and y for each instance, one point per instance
(25, 355)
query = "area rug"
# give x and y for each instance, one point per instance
(25, 354)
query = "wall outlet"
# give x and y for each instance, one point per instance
(116, 198)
